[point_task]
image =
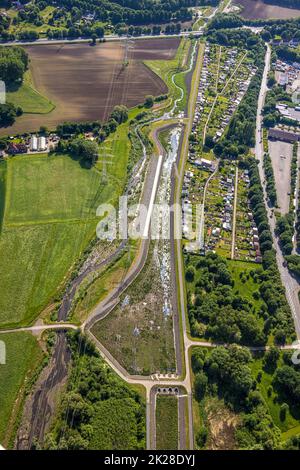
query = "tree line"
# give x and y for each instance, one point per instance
(68, 18)
(13, 64)
(87, 151)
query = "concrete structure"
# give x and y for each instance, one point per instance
(41, 143)
(33, 143)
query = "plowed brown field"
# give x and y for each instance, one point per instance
(257, 9)
(86, 82)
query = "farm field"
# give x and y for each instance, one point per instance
(49, 218)
(258, 9)
(23, 355)
(85, 83)
(166, 423)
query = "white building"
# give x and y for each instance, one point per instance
(42, 145)
(33, 143)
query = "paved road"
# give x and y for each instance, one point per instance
(290, 283)
(41, 42)
(41, 328)
(112, 299)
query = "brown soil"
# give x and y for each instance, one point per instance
(257, 9)
(86, 82)
(222, 425)
(42, 402)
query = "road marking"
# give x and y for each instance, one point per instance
(152, 199)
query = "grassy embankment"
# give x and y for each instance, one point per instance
(28, 98)
(166, 423)
(165, 69)
(23, 356)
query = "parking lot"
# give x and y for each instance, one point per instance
(281, 156)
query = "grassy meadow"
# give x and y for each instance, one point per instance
(49, 218)
(23, 355)
(166, 423)
(28, 98)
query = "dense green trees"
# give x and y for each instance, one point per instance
(287, 381)
(86, 150)
(8, 114)
(294, 263)
(221, 21)
(271, 289)
(13, 64)
(215, 310)
(226, 372)
(285, 226)
(98, 410)
(270, 179)
(285, 231)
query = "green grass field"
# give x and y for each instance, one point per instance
(43, 188)
(34, 262)
(243, 281)
(166, 423)
(49, 218)
(2, 190)
(29, 99)
(23, 355)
